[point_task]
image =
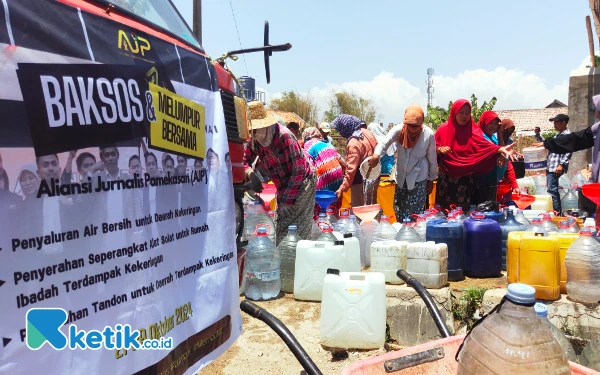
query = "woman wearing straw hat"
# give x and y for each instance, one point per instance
(287, 166)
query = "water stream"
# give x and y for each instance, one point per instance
(368, 191)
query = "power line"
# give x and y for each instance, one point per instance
(238, 34)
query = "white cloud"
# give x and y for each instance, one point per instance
(514, 89)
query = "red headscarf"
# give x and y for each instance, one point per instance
(486, 118)
(471, 153)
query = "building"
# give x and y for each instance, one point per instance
(527, 119)
(289, 117)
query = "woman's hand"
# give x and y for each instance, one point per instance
(538, 144)
(501, 161)
(338, 193)
(507, 151)
(373, 161)
(444, 150)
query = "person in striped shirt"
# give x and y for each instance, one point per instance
(325, 158)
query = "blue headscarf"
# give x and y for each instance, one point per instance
(348, 126)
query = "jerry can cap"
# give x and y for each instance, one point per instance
(521, 293)
(541, 310)
(347, 235)
(333, 271)
(339, 242)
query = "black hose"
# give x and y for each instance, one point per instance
(429, 302)
(283, 332)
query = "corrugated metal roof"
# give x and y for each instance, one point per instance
(528, 119)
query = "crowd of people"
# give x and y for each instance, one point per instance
(467, 160)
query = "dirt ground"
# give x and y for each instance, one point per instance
(260, 351)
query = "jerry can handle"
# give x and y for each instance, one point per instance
(322, 225)
(344, 209)
(477, 215)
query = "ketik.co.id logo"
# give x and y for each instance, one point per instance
(43, 325)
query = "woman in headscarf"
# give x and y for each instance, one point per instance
(490, 125)
(463, 153)
(325, 158)
(387, 159)
(287, 166)
(416, 162)
(361, 145)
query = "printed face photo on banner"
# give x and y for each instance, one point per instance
(116, 193)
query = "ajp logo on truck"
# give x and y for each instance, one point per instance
(139, 45)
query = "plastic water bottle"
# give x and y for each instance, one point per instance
(542, 312)
(583, 268)
(573, 227)
(257, 215)
(564, 184)
(563, 227)
(287, 251)
(578, 179)
(331, 215)
(520, 217)
(408, 234)
(590, 356)
(315, 231)
(548, 224)
(421, 226)
(353, 227)
(570, 201)
(460, 215)
(342, 221)
(326, 233)
(513, 340)
(537, 227)
(262, 268)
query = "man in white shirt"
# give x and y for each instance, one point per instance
(50, 171)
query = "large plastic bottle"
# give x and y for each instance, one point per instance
(510, 224)
(513, 340)
(573, 227)
(421, 225)
(407, 233)
(368, 228)
(563, 227)
(331, 215)
(570, 201)
(450, 233)
(564, 184)
(542, 312)
(583, 268)
(342, 220)
(262, 268)
(590, 356)
(287, 251)
(520, 217)
(353, 228)
(578, 179)
(537, 226)
(483, 246)
(384, 231)
(326, 233)
(315, 231)
(548, 224)
(257, 215)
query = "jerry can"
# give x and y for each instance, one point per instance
(539, 265)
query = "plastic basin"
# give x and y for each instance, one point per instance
(592, 192)
(366, 213)
(523, 200)
(325, 198)
(373, 174)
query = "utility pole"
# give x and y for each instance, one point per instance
(197, 22)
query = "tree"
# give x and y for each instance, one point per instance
(349, 103)
(302, 105)
(438, 115)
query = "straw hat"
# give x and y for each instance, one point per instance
(259, 117)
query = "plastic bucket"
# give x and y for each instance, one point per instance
(535, 158)
(519, 167)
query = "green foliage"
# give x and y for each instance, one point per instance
(438, 115)
(597, 62)
(302, 105)
(469, 302)
(549, 134)
(351, 104)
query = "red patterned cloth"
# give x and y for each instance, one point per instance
(285, 162)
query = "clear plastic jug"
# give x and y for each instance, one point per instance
(287, 250)
(256, 215)
(262, 268)
(569, 201)
(331, 215)
(388, 257)
(384, 231)
(428, 263)
(583, 268)
(521, 218)
(353, 227)
(513, 340)
(353, 310)
(573, 227)
(590, 356)
(312, 261)
(565, 240)
(548, 224)
(542, 312)
(510, 224)
(368, 228)
(407, 233)
(421, 225)
(563, 227)
(578, 180)
(326, 233)
(315, 230)
(537, 226)
(564, 184)
(342, 221)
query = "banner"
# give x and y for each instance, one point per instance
(116, 199)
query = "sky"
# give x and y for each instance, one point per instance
(522, 52)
